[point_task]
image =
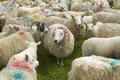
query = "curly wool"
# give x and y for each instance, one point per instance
(19, 70)
(106, 17)
(109, 30)
(62, 49)
(13, 44)
(93, 68)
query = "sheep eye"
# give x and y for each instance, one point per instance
(61, 33)
(33, 60)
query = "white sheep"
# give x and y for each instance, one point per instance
(22, 11)
(92, 29)
(20, 70)
(31, 51)
(107, 47)
(109, 30)
(10, 30)
(13, 44)
(106, 17)
(75, 6)
(94, 68)
(99, 5)
(59, 41)
(116, 4)
(104, 29)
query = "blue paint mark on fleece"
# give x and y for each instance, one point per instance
(113, 62)
(18, 76)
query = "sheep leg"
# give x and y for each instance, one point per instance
(61, 62)
(58, 61)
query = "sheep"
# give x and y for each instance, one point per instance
(13, 44)
(20, 70)
(99, 5)
(104, 29)
(59, 41)
(22, 11)
(80, 6)
(26, 3)
(116, 4)
(66, 14)
(93, 68)
(11, 30)
(92, 29)
(74, 24)
(107, 47)
(106, 17)
(31, 51)
(37, 30)
(3, 20)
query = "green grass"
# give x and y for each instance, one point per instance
(49, 70)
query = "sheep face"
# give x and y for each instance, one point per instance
(78, 20)
(58, 35)
(34, 62)
(90, 27)
(42, 27)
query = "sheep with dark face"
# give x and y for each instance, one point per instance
(37, 29)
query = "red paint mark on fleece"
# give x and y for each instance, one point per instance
(60, 27)
(21, 33)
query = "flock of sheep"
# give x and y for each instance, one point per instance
(24, 24)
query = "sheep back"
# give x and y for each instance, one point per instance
(89, 68)
(109, 30)
(106, 17)
(13, 44)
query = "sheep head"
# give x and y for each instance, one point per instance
(23, 61)
(59, 34)
(78, 20)
(41, 26)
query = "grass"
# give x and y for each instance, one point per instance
(49, 70)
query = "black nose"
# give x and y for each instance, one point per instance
(79, 25)
(46, 32)
(55, 41)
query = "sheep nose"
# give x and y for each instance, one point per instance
(79, 25)
(55, 41)
(46, 32)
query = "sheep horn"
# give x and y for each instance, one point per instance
(33, 24)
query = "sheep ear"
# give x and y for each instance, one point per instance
(82, 16)
(72, 16)
(27, 42)
(26, 57)
(10, 27)
(38, 43)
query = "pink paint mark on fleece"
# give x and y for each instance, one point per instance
(20, 64)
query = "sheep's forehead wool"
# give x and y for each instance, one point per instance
(66, 30)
